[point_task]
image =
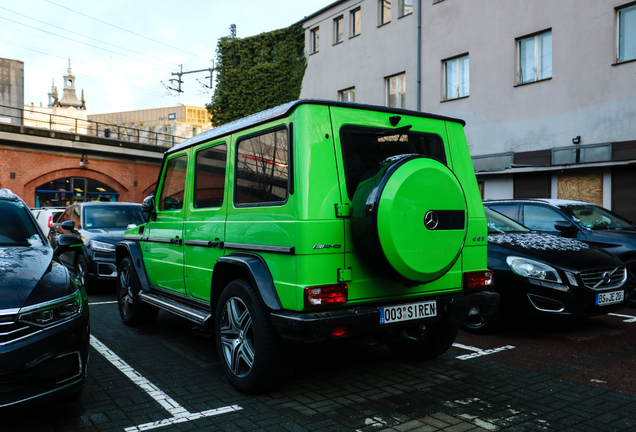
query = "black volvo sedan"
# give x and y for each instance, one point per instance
(543, 274)
(44, 317)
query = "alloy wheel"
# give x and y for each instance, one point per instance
(81, 271)
(125, 293)
(237, 337)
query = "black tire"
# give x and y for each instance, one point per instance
(81, 270)
(482, 324)
(438, 340)
(133, 312)
(252, 355)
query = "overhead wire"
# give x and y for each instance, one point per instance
(84, 43)
(126, 30)
(87, 37)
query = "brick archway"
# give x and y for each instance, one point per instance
(76, 172)
(29, 187)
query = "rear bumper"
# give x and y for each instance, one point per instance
(362, 321)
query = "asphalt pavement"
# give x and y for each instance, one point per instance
(540, 376)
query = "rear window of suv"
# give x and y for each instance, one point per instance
(366, 148)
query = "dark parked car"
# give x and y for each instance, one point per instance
(44, 318)
(542, 274)
(101, 226)
(580, 220)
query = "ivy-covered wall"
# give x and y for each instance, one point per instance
(257, 73)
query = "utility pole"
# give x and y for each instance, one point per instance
(181, 73)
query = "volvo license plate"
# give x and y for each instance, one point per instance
(391, 314)
(609, 298)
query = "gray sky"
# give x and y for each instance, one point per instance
(121, 51)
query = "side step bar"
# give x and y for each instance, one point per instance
(197, 316)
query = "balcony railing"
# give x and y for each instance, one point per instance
(33, 118)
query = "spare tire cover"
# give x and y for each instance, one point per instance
(409, 218)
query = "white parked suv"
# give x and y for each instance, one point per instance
(47, 216)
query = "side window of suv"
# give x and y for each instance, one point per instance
(209, 177)
(262, 169)
(540, 218)
(172, 192)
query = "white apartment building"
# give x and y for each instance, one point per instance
(547, 88)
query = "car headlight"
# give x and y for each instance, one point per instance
(533, 269)
(100, 246)
(53, 312)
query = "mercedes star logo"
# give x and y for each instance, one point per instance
(431, 220)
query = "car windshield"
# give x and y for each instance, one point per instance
(597, 218)
(365, 149)
(109, 217)
(498, 223)
(16, 227)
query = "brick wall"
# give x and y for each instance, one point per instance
(32, 168)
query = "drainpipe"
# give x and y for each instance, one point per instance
(419, 55)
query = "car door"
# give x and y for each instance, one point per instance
(542, 218)
(165, 236)
(205, 221)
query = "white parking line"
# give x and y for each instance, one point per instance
(630, 318)
(104, 302)
(179, 414)
(478, 352)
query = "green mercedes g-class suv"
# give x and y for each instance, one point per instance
(315, 222)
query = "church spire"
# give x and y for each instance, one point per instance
(69, 98)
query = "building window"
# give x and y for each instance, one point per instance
(66, 191)
(356, 21)
(347, 95)
(396, 91)
(535, 58)
(456, 77)
(384, 9)
(315, 40)
(338, 30)
(627, 34)
(406, 7)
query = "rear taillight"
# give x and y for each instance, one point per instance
(325, 295)
(480, 279)
(50, 221)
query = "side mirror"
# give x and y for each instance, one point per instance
(68, 225)
(148, 206)
(564, 227)
(66, 242)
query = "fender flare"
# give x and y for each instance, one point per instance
(256, 270)
(133, 250)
